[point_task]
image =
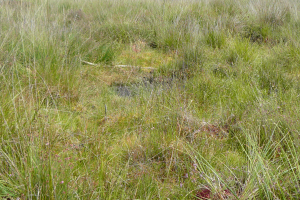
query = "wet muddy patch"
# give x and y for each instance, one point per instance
(125, 91)
(157, 85)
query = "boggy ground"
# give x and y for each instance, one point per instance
(149, 99)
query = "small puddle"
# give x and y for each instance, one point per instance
(125, 91)
(137, 89)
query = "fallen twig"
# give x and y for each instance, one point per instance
(88, 63)
(121, 66)
(130, 66)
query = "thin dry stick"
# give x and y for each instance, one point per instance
(130, 66)
(88, 63)
(121, 66)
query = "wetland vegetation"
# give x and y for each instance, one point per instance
(149, 99)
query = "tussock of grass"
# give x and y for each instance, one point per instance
(205, 107)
